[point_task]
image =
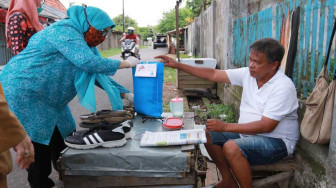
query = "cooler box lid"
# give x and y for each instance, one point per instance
(200, 62)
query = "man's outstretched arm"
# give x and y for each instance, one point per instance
(214, 75)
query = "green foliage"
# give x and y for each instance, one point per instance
(169, 75)
(145, 32)
(201, 113)
(221, 111)
(110, 52)
(142, 32)
(196, 6)
(217, 111)
(169, 78)
(166, 106)
(184, 56)
(118, 20)
(168, 21)
(115, 51)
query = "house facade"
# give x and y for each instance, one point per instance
(53, 10)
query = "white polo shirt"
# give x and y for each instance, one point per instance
(276, 100)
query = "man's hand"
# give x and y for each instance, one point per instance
(25, 153)
(215, 125)
(168, 62)
(133, 61)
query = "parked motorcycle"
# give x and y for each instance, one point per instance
(128, 49)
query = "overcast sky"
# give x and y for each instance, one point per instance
(145, 12)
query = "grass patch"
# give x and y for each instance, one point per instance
(143, 47)
(169, 75)
(184, 56)
(110, 52)
(169, 78)
(114, 51)
(217, 111)
(166, 106)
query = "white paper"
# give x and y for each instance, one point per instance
(145, 70)
(182, 137)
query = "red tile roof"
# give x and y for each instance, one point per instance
(56, 4)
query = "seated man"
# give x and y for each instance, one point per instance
(131, 35)
(267, 130)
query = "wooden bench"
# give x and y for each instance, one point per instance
(277, 173)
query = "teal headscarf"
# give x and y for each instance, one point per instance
(84, 81)
(97, 18)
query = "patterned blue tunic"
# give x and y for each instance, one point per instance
(39, 82)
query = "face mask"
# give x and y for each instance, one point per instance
(39, 9)
(130, 32)
(93, 37)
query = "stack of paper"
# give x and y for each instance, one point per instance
(182, 137)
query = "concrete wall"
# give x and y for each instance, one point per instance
(316, 163)
(207, 32)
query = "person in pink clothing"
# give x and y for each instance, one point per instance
(22, 22)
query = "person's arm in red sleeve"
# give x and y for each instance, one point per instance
(16, 32)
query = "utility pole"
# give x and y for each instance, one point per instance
(177, 47)
(123, 17)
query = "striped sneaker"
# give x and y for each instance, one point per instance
(126, 126)
(92, 139)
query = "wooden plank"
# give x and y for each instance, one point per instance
(284, 165)
(200, 92)
(274, 167)
(186, 148)
(272, 179)
(184, 86)
(198, 82)
(126, 181)
(185, 80)
(187, 77)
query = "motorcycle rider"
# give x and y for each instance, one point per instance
(131, 35)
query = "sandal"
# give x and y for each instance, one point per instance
(102, 114)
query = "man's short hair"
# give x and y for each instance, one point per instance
(272, 48)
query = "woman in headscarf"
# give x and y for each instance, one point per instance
(22, 22)
(60, 62)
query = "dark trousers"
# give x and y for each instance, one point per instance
(40, 169)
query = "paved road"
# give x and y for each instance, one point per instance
(18, 178)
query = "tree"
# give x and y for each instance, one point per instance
(168, 21)
(146, 32)
(142, 32)
(196, 6)
(128, 22)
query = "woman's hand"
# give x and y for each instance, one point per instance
(215, 125)
(133, 61)
(129, 97)
(25, 153)
(129, 62)
(168, 62)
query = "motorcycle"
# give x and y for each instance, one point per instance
(128, 49)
